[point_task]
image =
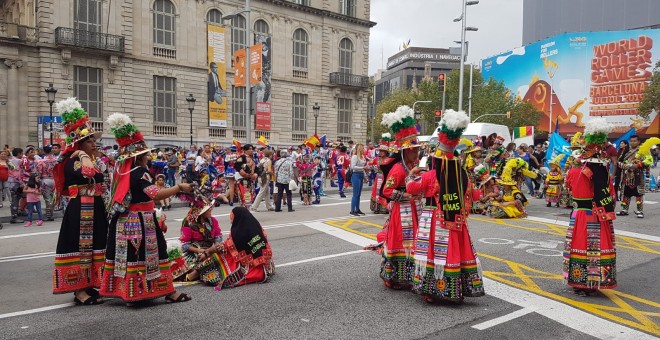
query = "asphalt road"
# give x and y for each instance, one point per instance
(326, 287)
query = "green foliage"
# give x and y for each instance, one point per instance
(651, 99)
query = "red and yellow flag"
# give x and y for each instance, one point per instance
(262, 141)
(313, 141)
(523, 131)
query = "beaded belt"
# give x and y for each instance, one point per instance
(145, 206)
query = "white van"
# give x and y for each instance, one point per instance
(475, 130)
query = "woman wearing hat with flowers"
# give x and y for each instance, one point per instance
(137, 266)
(589, 252)
(201, 236)
(397, 265)
(445, 264)
(554, 181)
(83, 234)
(512, 203)
(378, 203)
(486, 190)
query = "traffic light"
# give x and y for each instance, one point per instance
(438, 116)
(442, 82)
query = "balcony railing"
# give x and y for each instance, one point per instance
(349, 80)
(88, 39)
(165, 130)
(18, 32)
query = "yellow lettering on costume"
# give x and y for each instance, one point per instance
(254, 240)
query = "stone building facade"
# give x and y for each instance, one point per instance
(144, 58)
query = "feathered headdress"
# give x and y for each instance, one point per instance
(576, 141)
(129, 138)
(557, 160)
(385, 140)
(402, 124)
(452, 125)
(596, 131)
(513, 167)
(645, 148)
(75, 122)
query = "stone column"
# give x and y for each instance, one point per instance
(13, 113)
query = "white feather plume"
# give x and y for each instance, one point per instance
(387, 119)
(173, 244)
(386, 135)
(117, 120)
(404, 111)
(67, 105)
(598, 125)
(455, 120)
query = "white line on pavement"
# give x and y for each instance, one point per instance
(30, 234)
(320, 258)
(36, 310)
(27, 257)
(617, 232)
(650, 202)
(340, 233)
(504, 318)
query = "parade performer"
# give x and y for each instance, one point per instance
(397, 265)
(343, 162)
(379, 204)
(472, 157)
(486, 190)
(554, 181)
(305, 171)
(635, 169)
(45, 167)
(137, 266)
(317, 179)
(589, 251)
(446, 266)
(83, 234)
(512, 203)
(245, 167)
(201, 237)
(230, 172)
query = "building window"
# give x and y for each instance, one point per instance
(87, 15)
(238, 104)
(344, 116)
(261, 27)
(238, 34)
(346, 56)
(164, 100)
(347, 7)
(300, 39)
(299, 119)
(214, 17)
(88, 88)
(301, 2)
(164, 24)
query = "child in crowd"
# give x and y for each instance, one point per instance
(33, 193)
(317, 179)
(160, 183)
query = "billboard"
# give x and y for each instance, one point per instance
(43, 130)
(255, 65)
(572, 77)
(217, 82)
(263, 87)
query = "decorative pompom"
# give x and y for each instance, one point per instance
(67, 105)
(117, 120)
(455, 120)
(598, 125)
(386, 137)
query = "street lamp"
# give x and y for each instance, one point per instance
(316, 108)
(191, 106)
(50, 92)
(463, 19)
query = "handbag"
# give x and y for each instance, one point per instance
(349, 174)
(293, 186)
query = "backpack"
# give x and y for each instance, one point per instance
(260, 169)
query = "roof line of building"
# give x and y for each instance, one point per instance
(322, 12)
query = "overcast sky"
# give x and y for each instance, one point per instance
(429, 23)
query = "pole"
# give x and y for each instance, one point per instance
(191, 133)
(470, 93)
(315, 121)
(51, 123)
(460, 76)
(248, 89)
(550, 122)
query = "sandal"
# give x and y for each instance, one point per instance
(92, 292)
(90, 301)
(183, 297)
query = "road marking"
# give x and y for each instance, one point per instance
(340, 233)
(616, 231)
(30, 234)
(504, 318)
(26, 257)
(36, 310)
(650, 202)
(320, 258)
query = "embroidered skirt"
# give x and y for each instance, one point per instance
(553, 193)
(136, 265)
(81, 245)
(306, 186)
(589, 252)
(446, 265)
(223, 270)
(397, 264)
(378, 204)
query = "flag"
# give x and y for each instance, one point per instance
(626, 136)
(313, 141)
(557, 145)
(262, 141)
(523, 131)
(322, 139)
(238, 145)
(557, 126)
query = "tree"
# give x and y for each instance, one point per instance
(651, 99)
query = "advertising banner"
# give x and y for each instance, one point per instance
(217, 82)
(255, 65)
(262, 89)
(573, 77)
(263, 116)
(43, 130)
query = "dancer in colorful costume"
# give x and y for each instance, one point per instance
(83, 234)
(201, 236)
(589, 251)
(554, 181)
(513, 202)
(379, 204)
(137, 266)
(635, 169)
(446, 265)
(486, 190)
(397, 265)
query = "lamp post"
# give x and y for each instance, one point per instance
(50, 92)
(316, 108)
(191, 106)
(463, 20)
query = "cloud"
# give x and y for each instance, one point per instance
(428, 23)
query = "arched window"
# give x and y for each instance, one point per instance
(164, 24)
(238, 34)
(214, 16)
(260, 26)
(300, 40)
(346, 56)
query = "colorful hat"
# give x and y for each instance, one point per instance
(645, 148)
(402, 124)
(129, 138)
(595, 141)
(199, 207)
(513, 167)
(576, 141)
(557, 161)
(385, 140)
(482, 174)
(75, 121)
(451, 127)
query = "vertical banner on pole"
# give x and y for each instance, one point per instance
(217, 62)
(262, 88)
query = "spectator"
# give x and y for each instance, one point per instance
(264, 182)
(283, 174)
(358, 162)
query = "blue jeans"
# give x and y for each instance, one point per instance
(170, 179)
(530, 185)
(30, 208)
(340, 179)
(357, 180)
